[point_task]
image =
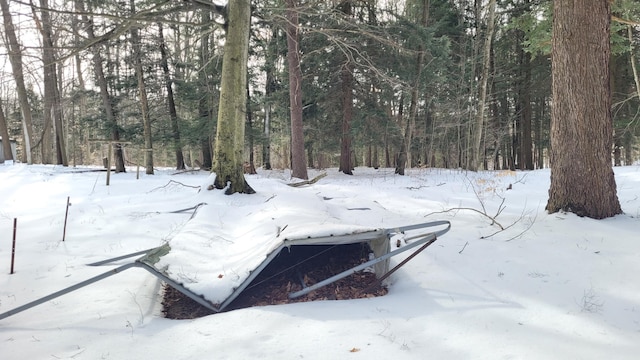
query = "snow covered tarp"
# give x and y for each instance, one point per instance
(217, 262)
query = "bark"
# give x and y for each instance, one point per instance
(476, 152)
(298, 162)
(173, 113)
(229, 144)
(142, 94)
(104, 91)
(582, 178)
(4, 136)
(15, 58)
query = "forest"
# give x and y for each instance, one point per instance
(340, 83)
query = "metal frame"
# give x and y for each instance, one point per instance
(150, 256)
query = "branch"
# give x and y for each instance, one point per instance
(309, 182)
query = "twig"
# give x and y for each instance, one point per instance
(470, 209)
(464, 247)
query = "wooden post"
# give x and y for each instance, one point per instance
(109, 162)
(66, 214)
(13, 246)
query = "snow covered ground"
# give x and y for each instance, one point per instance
(550, 286)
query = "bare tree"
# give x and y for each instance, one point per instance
(15, 57)
(142, 94)
(173, 114)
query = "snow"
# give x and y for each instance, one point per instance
(550, 286)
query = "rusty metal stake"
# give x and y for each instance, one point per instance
(13, 246)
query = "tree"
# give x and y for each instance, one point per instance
(171, 104)
(298, 162)
(15, 57)
(142, 93)
(477, 155)
(582, 178)
(404, 156)
(229, 144)
(101, 79)
(4, 135)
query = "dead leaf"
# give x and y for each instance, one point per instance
(355, 349)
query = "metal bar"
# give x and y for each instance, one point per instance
(423, 225)
(362, 266)
(107, 261)
(66, 290)
(379, 281)
(13, 245)
(174, 284)
(66, 214)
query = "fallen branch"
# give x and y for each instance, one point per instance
(309, 182)
(175, 182)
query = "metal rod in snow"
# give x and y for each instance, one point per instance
(66, 214)
(66, 291)
(13, 246)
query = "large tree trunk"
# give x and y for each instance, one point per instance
(298, 162)
(15, 57)
(229, 145)
(142, 93)
(582, 179)
(173, 113)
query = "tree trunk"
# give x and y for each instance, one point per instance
(104, 91)
(52, 102)
(142, 94)
(4, 136)
(346, 82)
(346, 77)
(526, 151)
(229, 145)
(252, 165)
(298, 163)
(582, 179)
(173, 114)
(204, 106)
(15, 57)
(476, 151)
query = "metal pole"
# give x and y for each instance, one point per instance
(66, 291)
(13, 246)
(66, 214)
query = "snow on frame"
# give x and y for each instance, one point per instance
(551, 286)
